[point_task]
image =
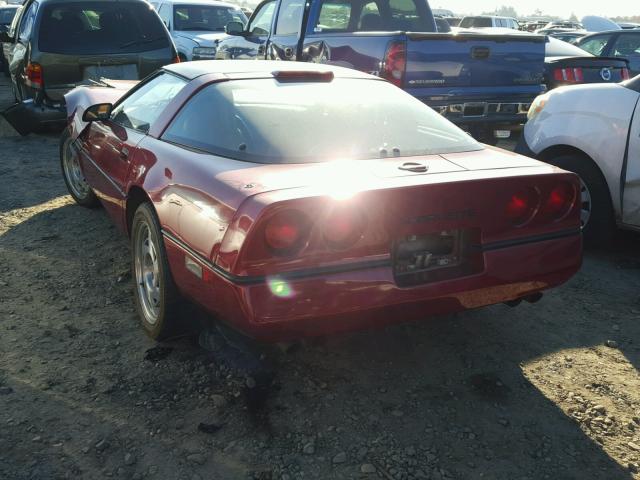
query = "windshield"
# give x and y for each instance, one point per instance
(270, 122)
(101, 27)
(206, 18)
(476, 22)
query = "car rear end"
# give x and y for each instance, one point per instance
(484, 83)
(418, 246)
(83, 42)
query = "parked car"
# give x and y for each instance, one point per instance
(60, 43)
(482, 82)
(569, 65)
(487, 21)
(569, 37)
(594, 131)
(628, 25)
(295, 199)
(7, 15)
(197, 25)
(618, 43)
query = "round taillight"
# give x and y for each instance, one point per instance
(561, 200)
(522, 206)
(286, 230)
(343, 228)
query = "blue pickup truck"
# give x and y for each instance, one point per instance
(482, 82)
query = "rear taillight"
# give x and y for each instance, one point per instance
(176, 59)
(286, 231)
(560, 201)
(394, 64)
(569, 75)
(343, 228)
(33, 75)
(522, 206)
(625, 74)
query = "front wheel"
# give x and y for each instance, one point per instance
(72, 173)
(156, 296)
(598, 225)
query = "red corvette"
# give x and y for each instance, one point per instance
(298, 199)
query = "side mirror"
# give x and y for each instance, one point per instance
(5, 38)
(235, 28)
(99, 111)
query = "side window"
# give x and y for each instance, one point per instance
(627, 45)
(261, 23)
(334, 15)
(139, 110)
(290, 17)
(165, 14)
(596, 45)
(27, 21)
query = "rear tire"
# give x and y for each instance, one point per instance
(157, 299)
(77, 186)
(598, 223)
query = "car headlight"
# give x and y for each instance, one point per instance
(204, 51)
(537, 106)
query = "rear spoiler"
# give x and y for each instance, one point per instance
(595, 60)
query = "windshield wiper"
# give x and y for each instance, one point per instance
(141, 41)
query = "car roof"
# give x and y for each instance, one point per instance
(199, 2)
(238, 68)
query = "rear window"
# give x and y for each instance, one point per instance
(476, 22)
(266, 121)
(205, 18)
(558, 48)
(101, 28)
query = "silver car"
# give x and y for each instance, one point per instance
(197, 25)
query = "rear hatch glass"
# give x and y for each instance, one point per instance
(90, 28)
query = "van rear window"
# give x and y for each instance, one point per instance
(88, 28)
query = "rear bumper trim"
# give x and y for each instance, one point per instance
(487, 247)
(351, 267)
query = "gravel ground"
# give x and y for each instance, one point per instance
(544, 391)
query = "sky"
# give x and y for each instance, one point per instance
(561, 8)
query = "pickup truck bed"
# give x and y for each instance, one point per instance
(482, 82)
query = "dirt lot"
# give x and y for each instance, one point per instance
(545, 391)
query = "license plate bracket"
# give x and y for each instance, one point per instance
(436, 256)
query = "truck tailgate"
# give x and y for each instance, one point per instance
(474, 59)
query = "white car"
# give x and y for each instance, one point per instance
(196, 26)
(594, 131)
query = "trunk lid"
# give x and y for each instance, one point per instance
(474, 59)
(594, 69)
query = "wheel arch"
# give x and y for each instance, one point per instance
(136, 197)
(566, 150)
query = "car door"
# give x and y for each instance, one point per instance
(110, 146)
(631, 195)
(19, 55)
(253, 44)
(283, 44)
(627, 46)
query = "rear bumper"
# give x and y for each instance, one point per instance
(280, 309)
(29, 116)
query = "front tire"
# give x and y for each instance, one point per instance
(156, 296)
(598, 224)
(77, 186)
